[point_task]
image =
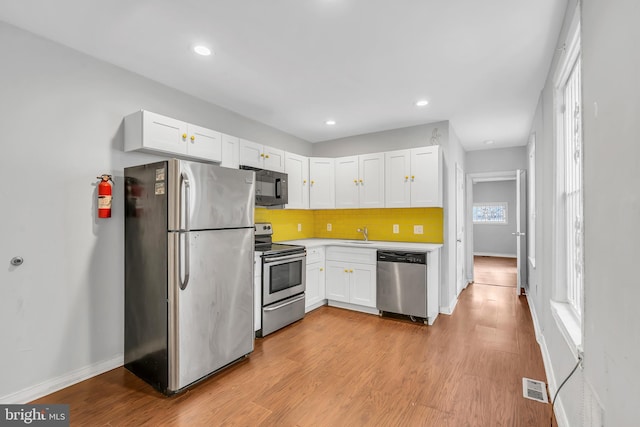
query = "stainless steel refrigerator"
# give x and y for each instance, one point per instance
(189, 241)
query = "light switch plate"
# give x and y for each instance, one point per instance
(299, 227)
(417, 229)
(328, 227)
(396, 228)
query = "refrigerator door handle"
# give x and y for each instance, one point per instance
(184, 182)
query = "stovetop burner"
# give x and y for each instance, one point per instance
(265, 245)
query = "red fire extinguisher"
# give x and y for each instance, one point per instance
(104, 196)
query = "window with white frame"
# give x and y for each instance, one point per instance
(569, 177)
(490, 213)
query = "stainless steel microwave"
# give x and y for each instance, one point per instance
(271, 187)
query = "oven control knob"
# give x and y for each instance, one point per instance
(268, 227)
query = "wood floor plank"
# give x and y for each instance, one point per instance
(339, 367)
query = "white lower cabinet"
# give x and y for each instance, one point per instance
(351, 276)
(315, 282)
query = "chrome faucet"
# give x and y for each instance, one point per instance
(365, 232)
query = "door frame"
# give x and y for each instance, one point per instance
(471, 179)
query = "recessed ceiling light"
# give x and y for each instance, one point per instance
(422, 103)
(330, 122)
(489, 141)
(202, 50)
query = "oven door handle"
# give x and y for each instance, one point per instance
(271, 259)
(279, 306)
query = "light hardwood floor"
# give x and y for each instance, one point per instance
(497, 271)
(343, 368)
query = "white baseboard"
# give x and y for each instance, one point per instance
(354, 307)
(449, 309)
(494, 254)
(561, 415)
(58, 383)
(316, 305)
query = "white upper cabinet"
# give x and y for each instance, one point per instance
(322, 183)
(297, 170)
(147, 131)
(371, 180)
(413, 178)
(360, 181)
(261, 156)
(426, 173)
(347, 182)
(230, 151)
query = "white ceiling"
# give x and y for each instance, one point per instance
(294, 64)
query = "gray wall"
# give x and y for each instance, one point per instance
(61, 312)
(496, 160)
(496, 239)
(395, 139)
(610, 35)
(416, 136)
(611, 243)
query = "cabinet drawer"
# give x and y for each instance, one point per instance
(315, 255)
(362, 256)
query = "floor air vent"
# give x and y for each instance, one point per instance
(534, 390)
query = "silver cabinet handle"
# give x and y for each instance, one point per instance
(279, 306)
(184, 182)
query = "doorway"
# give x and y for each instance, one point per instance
(496, 222)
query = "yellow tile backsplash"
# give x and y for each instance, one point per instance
(345, 222)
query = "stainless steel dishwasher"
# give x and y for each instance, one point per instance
(402, 283)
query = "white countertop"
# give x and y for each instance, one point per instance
(370, 244)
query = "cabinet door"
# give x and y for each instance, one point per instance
(397, 186)
(315, 284)
(321, 179)
(251, 154)
(371, 180)
(273, 159)
(164, 133)
(363, 285)
(337, 286)
(426, 186)
(347, 182)
(204, 143)
(297, 169)
(230, 152)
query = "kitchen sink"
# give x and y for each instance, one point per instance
(359, 242)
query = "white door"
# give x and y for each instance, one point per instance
(297, 169)
(521, 226)
(460, 270)
(362, 289)
(273, 159)
(371, 180)
(164, 133)
(321, 179)
(337, 285)
(251, 154)
(397, 187)
(425, 180)
(347, 182)
(204, 143)
(230, 152)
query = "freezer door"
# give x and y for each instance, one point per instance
(211, 319)
(204, 196)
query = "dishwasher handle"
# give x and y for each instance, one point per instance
(402, 257)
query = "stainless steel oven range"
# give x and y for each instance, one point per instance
(283, 280)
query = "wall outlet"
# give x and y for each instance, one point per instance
(417, 229)
(299, 227)
(328, 227)
(396, 228)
